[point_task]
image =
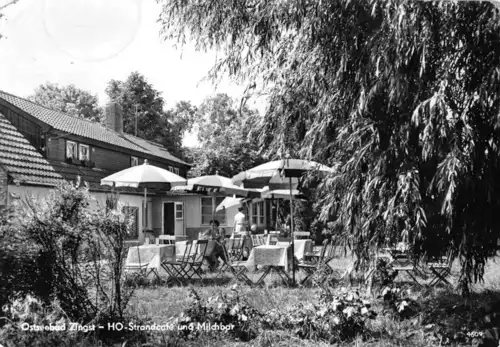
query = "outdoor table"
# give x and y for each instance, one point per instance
(301, 248)
(275, 257)
(152, 255)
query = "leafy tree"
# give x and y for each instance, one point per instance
(228, 140)
(68, 99)
(137, 96)
(183, 117)
(403, 94)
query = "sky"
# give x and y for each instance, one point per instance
(89, 42)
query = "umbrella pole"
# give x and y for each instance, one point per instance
(213, 213)
(291, 232)
(145, 210)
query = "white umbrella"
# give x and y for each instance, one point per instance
(274, 174)
(229, 202)
(142, 175)
(214, 185)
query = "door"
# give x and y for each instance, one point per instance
(169, 218)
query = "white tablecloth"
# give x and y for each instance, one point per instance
(273, 255)
(300, 247)
(152, 254)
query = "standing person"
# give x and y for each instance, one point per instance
(240, 223)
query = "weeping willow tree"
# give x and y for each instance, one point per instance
(405, 95)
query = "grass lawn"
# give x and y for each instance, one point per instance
(439, 307)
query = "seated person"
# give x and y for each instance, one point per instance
(216, 234)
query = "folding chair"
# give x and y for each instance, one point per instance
(167, 239)
(236, 267)
(234, 248)
(318, 260)
(140, 268)
(298, 235)
(272, 239)
(402, 263)
(174, 267)
(441, 269)
(192, 265)
(255, 240)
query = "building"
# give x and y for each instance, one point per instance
(40, 148)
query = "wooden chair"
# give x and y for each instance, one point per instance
(272, 239)
(258, 240)
(192, 265)
(166, 239)
(174, 267)
(321, 260)
(441, 269)
(403, 263)
(234, 248)
(140, 268)
(298, 235)
(236, 267)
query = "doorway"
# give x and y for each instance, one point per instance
(169, 218)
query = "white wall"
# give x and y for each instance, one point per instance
(98, 203)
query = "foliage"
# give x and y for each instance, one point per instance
(68, 99)
(31, 312)
(231, 311)
(75, 257)
(17, 267)
(335, 318)
(402, 94)
(400, 302)
(137, 96)
(227, 137)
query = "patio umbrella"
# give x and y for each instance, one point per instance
(229, 202)
(274, 174)
(215, 185)
(143, 175)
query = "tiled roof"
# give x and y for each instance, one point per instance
(27, 166)
(22, 161)
(88, 129)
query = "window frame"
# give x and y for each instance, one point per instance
(132, 161)
(177, 171)
(221, 216)
(75, 157)
(258, 213)
(181, 205)
(80, 146)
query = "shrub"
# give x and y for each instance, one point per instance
(335, 318)
(70, 255)
(398, 302)
(231, 311)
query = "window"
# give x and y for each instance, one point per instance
(258, 213)
(134, 161)
(84, 152)
(207, 208)
(132, 213)
(176, 171)
(171, 169)
(179, 211)
(71, 150)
